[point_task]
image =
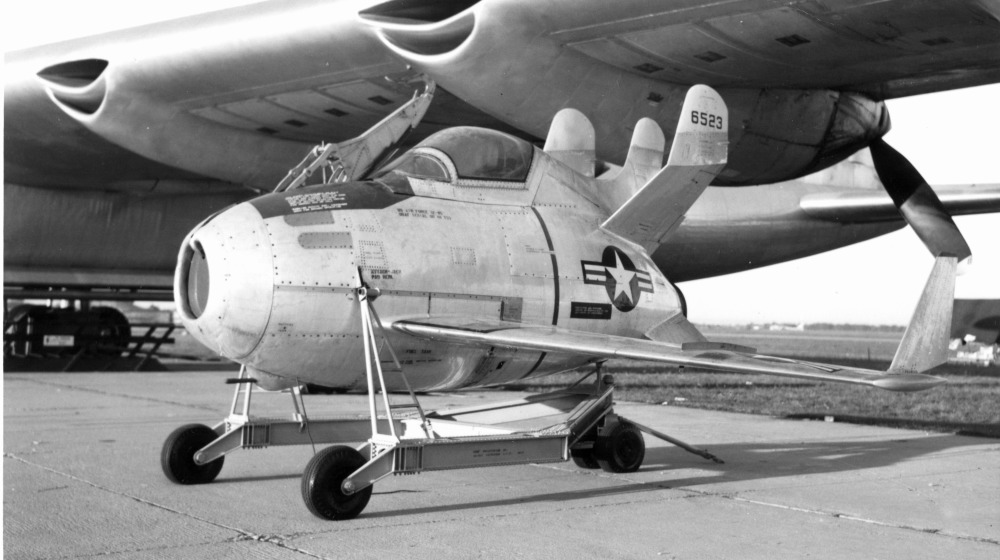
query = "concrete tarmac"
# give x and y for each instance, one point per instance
(82, 479)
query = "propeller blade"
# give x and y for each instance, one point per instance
(917, 202)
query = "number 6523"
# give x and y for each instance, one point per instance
(706, 119)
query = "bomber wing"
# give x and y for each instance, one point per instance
(804, 82)
(924, 344)
(885, 49)
(299, 71)
(310, 71)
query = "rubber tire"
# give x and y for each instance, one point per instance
(621, 450)
(584, 458)
(113, 331)
(321, 484)
(177, 456)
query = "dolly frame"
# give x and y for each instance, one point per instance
(562, 423)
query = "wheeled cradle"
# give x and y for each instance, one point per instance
(578, 423)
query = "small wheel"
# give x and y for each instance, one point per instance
(584, 458)
(113, 331)
(321, 484)
(177, 456)
(621, 450)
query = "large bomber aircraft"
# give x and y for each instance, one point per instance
(117, 145)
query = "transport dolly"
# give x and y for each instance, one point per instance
(577, 423)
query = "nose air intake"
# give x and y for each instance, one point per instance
(196, 284)
(224, 282)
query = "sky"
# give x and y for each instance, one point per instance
(950, 137)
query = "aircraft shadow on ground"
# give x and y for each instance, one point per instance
(745, 462)
(267, 478)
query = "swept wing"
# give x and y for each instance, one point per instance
(923, 347)
(714, 356)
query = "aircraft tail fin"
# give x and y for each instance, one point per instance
(644, 160)
(698, 154)
(571, 141)
(925, 343)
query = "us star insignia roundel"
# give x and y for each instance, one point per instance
(619, 276)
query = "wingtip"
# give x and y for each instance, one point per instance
(925, 342)
(909, 382)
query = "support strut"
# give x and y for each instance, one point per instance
(686, 447)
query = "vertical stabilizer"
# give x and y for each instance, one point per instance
(697, 155)
(925, 343)
(571, 141)
(645, 158)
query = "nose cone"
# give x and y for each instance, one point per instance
(223, 286)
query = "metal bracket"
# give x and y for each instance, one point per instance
(686, 447)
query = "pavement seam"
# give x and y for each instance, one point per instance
(845, 516)
(109, 393)
(128, 551)
(242, 534)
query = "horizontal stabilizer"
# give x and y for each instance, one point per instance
(925, 342)
(719, 357)
(697, 155)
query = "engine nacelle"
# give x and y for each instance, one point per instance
(775, 134)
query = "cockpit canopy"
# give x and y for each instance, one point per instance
(476, 154)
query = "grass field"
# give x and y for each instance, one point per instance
(968, 403)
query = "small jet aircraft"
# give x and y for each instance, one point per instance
(475, 259)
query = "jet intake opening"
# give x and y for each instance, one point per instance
(441, 40)
(416, 37)
(416, 11)
(76, 73)
(196, 283)
(78, 85)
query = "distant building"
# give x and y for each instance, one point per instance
(975, 332)
(786, 327)
(971, 352)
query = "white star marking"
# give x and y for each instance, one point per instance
(623, 278)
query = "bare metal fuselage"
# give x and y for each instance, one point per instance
(279, 275)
